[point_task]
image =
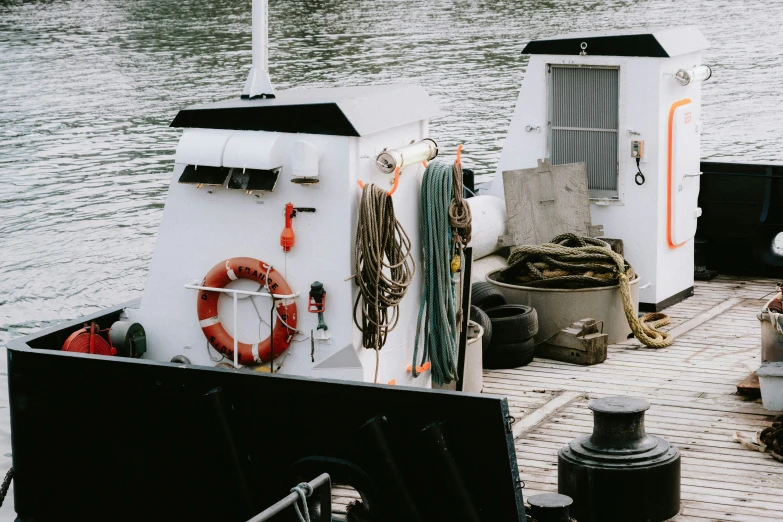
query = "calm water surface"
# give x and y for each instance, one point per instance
(87, 89)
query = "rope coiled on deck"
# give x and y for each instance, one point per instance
(384, 268)
(571, 261)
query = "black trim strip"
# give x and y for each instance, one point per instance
(314, 118)
(618, 45)
(666, 303)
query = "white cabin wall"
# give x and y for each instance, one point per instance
(638, 215)
(397, 354)
(200, 229)
(522, 149)
(676, 265)
(634, 216)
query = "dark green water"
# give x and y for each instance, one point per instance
(87, 89)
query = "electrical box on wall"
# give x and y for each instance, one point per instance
(607, 99)
(637, 149)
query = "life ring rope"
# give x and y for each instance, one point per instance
(283, 301)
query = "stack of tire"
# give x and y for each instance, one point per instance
(508, 328)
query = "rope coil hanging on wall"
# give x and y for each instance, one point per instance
(445, 231)
(384, 268)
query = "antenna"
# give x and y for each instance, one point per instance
(258, 84)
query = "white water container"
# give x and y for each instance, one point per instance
(489, 223)
(771, 382)
(473, 374)
(771, 338)
(473, 379)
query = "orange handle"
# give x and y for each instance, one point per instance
(287, 236)
(420, 369)
(396, 181)
(394, 186)
(459, 154)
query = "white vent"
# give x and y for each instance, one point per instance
(583, 105)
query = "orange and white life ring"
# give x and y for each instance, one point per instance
(247, 268)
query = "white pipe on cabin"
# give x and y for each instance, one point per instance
(423, 150)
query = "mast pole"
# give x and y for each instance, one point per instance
(258, 84)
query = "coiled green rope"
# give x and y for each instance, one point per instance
(438, 296)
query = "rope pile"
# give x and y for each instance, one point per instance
(772, 438)
(384, 268)
(570, 261)
(439, 210)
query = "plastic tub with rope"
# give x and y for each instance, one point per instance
(572, 278)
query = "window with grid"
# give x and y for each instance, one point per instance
(583, 123)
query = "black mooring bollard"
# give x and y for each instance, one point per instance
(619, 473)
(550, 507)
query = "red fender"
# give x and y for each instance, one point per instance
(246, 268)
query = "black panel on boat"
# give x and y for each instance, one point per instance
(742, 215)
(336, 111)
(619, 45)
(204, 175)
(253, 179)
(652, 43)
(239, 114)
(98, 434)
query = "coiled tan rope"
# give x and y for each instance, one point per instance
(459, 211)
(384, 268)
(571, 261)
(461, 222)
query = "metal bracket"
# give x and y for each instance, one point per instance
(595, 230)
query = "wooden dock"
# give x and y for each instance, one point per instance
(692, 390)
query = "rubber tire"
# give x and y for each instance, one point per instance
(486, 295)
(511, 355)
(477, 315)
(512, 323)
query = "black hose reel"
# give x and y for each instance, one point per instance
(619, 473)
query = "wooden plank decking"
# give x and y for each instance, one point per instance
(691, 387)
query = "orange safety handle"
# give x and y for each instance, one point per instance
(394, 185)
(396, 181)
(419, 369)
(287, 237)
(459, 155)
(670, 174)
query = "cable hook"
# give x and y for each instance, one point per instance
(639, 178)
(394, 185)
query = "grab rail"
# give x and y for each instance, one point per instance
(322, 481)
(234, 294)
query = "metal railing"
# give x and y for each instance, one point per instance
(234, 293)
(322, 481)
